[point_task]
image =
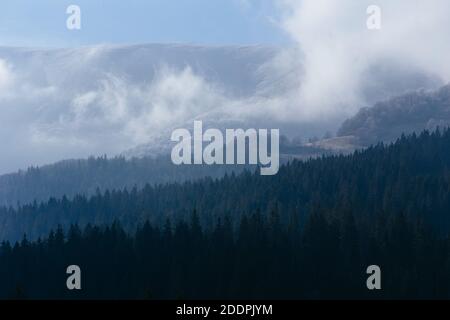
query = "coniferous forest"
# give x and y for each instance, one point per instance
(309, 232)
(261, 259)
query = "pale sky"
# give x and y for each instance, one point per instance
(43, 22)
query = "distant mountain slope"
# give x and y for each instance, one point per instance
(387, 120)
(236, 68)
(87, 176)
(70, 103)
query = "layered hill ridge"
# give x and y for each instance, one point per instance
(409, 177)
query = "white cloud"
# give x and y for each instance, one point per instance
(339, 50)
(136, 112)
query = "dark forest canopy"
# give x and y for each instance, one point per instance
(260, 259)
(411, 176)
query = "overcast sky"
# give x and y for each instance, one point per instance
(102, 99)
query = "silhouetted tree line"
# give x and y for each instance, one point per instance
(326, 256)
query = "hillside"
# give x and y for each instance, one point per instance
(404, 114)
(87, 176)
(410, 176)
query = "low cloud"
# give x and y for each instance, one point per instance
(135, 112)
(42, 122)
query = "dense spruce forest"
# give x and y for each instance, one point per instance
(411, 176)
(308, 232)
(262, 258)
